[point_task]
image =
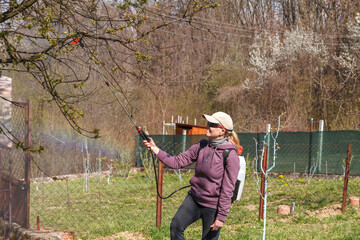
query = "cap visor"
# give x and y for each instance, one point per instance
(210, 119)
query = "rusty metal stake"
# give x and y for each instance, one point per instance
(264, 168)
(346, 180)
(159, 200)
(38, 223)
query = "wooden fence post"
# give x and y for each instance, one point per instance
(159, 200)
(346, 180)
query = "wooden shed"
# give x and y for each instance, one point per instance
(191, 129)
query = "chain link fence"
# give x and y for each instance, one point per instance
(95, 188)
(81, 185)
(14, 181)
(13, 128)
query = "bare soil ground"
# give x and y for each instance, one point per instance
(332, 210)
(328, 211)
(123, 235)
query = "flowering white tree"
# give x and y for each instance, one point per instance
(348, 69)
(349, 59)
(270, 53)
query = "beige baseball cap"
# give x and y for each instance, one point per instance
(222, 118)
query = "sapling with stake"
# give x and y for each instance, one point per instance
(86, 165)
(268, 136)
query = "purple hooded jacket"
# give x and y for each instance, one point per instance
(210, 187)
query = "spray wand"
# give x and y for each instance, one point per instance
(144, 137)
(140, 131)
(77, 40)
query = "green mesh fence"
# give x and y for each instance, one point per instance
(299, 152)
(90, 187)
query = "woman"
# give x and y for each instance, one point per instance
(212, 186)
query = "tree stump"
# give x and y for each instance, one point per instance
(283, 209)
(354, 201)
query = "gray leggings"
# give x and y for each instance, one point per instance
(189, 212)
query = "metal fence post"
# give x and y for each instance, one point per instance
(10, 199)
(310, 145)
(183, 140)
(259, 151)
(28, 120)
(321, 133)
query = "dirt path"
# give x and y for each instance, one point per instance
(123, 235)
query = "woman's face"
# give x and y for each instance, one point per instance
(214, 131)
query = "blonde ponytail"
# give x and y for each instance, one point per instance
(234, 139)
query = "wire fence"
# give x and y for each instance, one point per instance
(13, 125)
(77, 182)
(14, 167)
(86, 186)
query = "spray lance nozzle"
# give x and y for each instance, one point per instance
(142, 133)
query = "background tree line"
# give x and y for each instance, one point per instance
(252, 59)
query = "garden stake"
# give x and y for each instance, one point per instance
(38, 223)
(294, 174)
(346, 180)
(262, 194)
(159, 200)
(326, 169)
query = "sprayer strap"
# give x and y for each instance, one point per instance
(226, 152)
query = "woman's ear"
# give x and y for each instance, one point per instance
(223, 132)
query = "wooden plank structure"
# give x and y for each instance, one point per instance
(190, 129)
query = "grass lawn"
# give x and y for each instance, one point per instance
(125, 208)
